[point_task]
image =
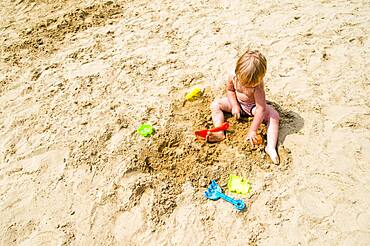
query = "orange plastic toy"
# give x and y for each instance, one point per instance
(259, 140)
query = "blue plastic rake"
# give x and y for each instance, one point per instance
(214, 193)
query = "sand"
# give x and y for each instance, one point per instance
(78, 77)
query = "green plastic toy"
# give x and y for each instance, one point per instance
(239, 185)
(145, 130)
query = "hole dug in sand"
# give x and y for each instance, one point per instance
(173, 157)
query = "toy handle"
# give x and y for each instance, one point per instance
(223, 127)
(239, 204)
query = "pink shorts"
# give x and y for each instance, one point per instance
(247, 108)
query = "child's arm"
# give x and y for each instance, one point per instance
(260, 99)
(231, 95)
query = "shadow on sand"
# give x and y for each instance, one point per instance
(290, 122)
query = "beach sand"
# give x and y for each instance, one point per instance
(77, 78)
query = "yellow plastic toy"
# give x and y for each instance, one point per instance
(239, 185)
(196, 92)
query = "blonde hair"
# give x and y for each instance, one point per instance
(250, 68)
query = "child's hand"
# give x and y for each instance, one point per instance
(236, 112)
(252, 137)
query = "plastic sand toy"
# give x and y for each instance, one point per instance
(259, 140)
(239, 185)
(203, 133)
(145, 130)
(214, 192)
(196, 92)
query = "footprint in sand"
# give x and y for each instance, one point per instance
(363, 221)
(44, 238)
(74, 70)
(128, 224)
(315, 204)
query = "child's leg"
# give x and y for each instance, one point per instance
(218, 107)
(272, 118)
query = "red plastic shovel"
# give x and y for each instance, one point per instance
(203, 133)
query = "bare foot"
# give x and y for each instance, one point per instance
(213, 137)
(273, 155)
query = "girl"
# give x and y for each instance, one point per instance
(245, 95)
